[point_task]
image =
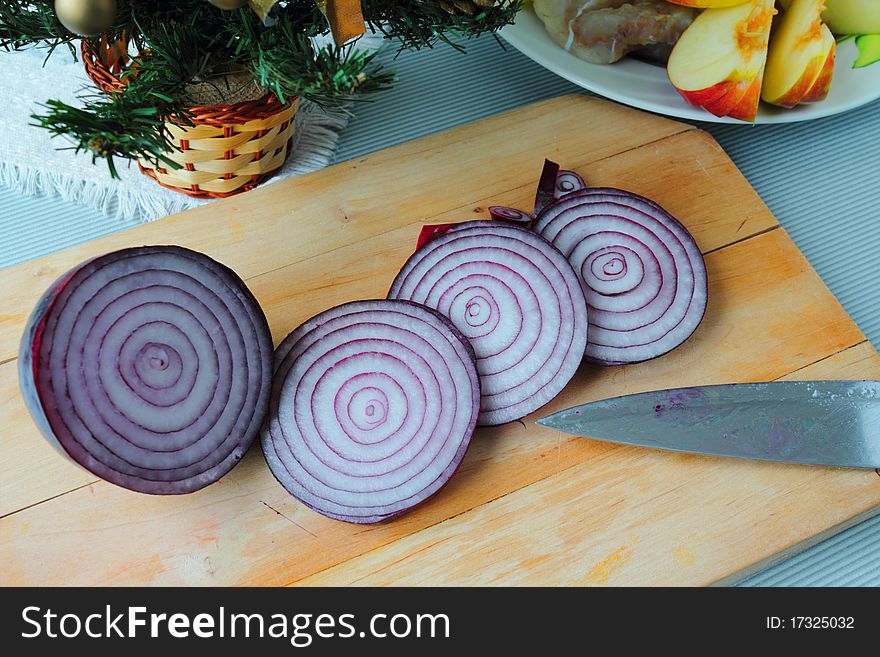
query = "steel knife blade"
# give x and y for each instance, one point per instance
(834, 423)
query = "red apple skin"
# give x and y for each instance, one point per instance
(747, 107)
(723, 104)
(801, 88)
(822, 85)
(731, 103)
(709, 95)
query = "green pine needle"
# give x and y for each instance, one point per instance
(112, 126)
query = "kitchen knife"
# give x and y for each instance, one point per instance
(817, 422)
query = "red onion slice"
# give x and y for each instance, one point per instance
(643, 275)
(373, 407)
(517, 300)
(150, 367)
(510, 215)
(568, 182)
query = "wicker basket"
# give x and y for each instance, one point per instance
(229, 149)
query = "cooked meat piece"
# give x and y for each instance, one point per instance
(658, 54)
(603, 31)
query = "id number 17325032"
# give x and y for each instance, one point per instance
(811, 623)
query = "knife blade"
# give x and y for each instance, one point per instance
(834, 423)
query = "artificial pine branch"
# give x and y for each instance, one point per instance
(25, 22)
(416, 24)
(286, 62)
(112, 126)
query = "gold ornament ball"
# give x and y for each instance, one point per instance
(86, 17)
(226, 5)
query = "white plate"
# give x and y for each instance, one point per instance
(646, 86)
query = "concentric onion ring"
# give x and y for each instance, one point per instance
(150, 367)
(568, 182)
(373, 407)
(643, 275)
(517, 300)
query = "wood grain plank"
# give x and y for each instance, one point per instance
(842, 365)
(592, 524)
(298, 218)
(31, 470)
(689, 174)
(230, 532)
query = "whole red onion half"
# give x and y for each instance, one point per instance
(150, 367)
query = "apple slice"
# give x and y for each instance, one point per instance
(822, 85)
(847, 16)
(801, 60)
(718, 63)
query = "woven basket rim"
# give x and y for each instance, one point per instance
(95, 54)
(260, 117)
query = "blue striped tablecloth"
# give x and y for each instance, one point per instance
(821, 180)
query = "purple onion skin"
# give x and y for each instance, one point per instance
(27, 363)
(547, 189)
(273, 438)
(554, 184)
(30, 368)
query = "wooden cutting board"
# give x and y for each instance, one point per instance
(529, 505)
